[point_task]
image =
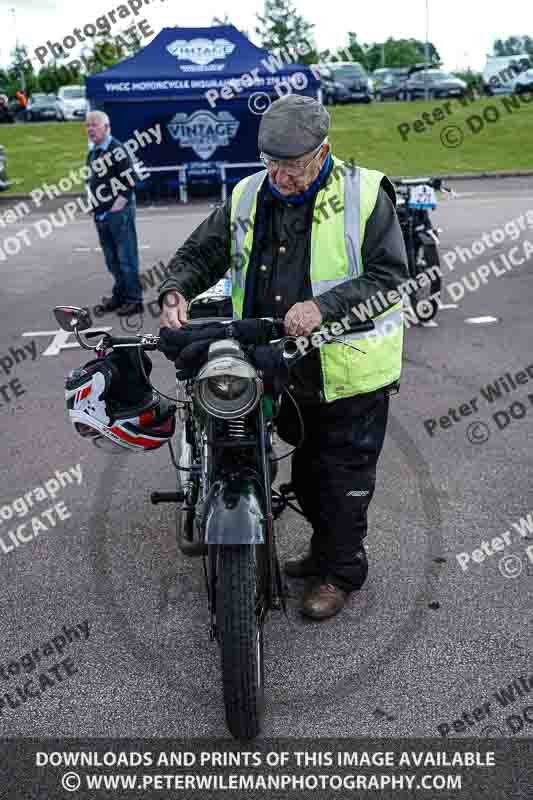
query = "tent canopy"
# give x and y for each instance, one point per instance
(178, 84)
(184, 63)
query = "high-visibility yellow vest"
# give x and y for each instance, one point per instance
(336, 243)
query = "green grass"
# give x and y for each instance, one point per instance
(369, 135)
(42, 153)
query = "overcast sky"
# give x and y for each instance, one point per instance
(462, 30)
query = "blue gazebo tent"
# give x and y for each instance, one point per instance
(167, 83)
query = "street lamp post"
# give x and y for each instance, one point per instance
(21, 69)
(426, 51)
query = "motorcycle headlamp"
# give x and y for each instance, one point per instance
(227, 386)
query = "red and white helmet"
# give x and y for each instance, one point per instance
(108, 400)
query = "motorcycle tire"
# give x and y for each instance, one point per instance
(240, 634)
(426, 309)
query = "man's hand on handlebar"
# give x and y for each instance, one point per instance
(302, 318)
(174, 311)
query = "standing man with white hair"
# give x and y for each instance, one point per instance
(112, 183)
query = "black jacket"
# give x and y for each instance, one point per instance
(279, 271)
(115, 177)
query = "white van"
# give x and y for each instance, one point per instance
(71, 102)
(499, 74)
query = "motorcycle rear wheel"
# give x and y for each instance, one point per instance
(240, 634)
(424, 305)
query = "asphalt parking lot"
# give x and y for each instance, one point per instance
(440, 627)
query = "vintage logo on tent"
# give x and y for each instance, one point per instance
(201, 52)
(203, 131)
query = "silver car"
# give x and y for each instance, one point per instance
(523, 82)
(4, 183)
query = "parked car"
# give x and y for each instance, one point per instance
(4, 183)
(5, 113)
(71, 102)
(523, 82)
(389, 82)
(16, 110)
(500, 72)
(42, 106)
(439, 84)
(345, 82)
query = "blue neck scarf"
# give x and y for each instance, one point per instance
(299, 199)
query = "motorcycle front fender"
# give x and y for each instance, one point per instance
(234, 513)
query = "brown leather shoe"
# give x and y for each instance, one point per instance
(323, 600)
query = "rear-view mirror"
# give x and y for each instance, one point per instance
(71, 318)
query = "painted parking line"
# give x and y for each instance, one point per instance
(61, 340)
(150, 218)
(481, 320)
(99, 249)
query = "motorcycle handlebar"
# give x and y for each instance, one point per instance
(151, 342)
(355, 327)
(144, 341)
(409, 183)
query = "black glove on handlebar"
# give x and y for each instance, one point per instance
(257, 331)
(269, 359)
(172, 342)
(191, 359)
(247, 332)
(188, 348)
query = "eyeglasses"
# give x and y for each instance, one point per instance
(293, 170)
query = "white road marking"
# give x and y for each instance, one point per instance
(27, 220)
(99, 249)
(481, 320)
(60, 339)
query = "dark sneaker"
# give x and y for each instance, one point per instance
(130, 308)
(302, 568)
(110, 304)
(323, 600)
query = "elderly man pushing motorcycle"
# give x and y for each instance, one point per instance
(311, 268)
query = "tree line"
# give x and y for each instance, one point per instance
(280, 28)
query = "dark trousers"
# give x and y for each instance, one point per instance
(118, 237)
(334, 475)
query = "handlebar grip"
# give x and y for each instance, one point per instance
(93, 334)
(361, 327)
(129, 340)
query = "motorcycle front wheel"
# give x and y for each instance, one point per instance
(240, 633)
(424, 304)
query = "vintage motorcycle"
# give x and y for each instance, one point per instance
(225, 467)
(415, 198)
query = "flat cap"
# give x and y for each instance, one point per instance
(292, 126)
